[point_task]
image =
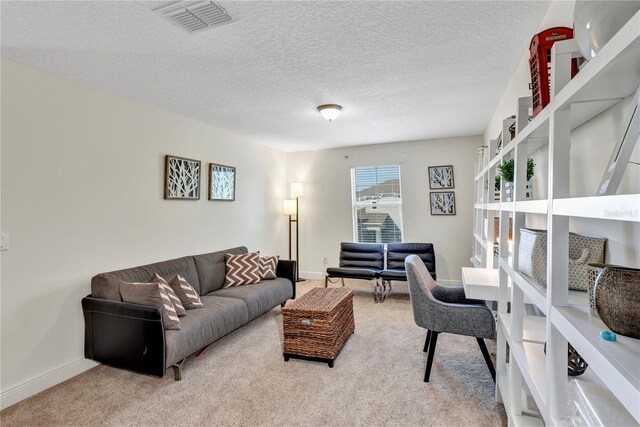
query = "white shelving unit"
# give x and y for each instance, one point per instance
(524, 373)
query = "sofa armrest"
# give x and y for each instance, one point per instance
(125, 335)
(287, 270)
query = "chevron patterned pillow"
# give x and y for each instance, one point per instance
(188, 296)
(242, 269)
(156, 278)
(152, 295)
(268, 266)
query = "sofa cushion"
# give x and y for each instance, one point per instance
(177, 304)
(242, 269)
(268, 266)
(107, 285)
(151, 295)
(260, 297)
(211, 269)
(353, 273)
(185, 292)
(218, 317)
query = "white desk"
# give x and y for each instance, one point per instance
(480, 283)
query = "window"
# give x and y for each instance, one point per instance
(377, 204)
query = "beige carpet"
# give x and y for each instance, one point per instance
(243, 380)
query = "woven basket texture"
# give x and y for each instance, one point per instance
(318, 323)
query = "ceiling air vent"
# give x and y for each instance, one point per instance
(194, 16)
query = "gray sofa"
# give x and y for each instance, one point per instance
(133, 337)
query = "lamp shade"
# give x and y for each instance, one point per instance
(289, 207)
(296, 189)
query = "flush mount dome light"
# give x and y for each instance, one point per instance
(330, 111)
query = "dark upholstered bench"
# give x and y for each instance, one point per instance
(397, 252)
(358, 261)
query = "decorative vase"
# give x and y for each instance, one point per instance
(596, 22)
(576, 365)
(528, 190)
(508, 191)
(617, 299)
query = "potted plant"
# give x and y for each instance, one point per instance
(506, 171)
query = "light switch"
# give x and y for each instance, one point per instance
(4, 242)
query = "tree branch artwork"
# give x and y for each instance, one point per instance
(222, 182)
(443, 203)
(441, 177)
(182, 178)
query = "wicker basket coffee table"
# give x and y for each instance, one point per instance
(317, 324)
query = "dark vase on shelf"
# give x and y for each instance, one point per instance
(576, 365)
(617, 299)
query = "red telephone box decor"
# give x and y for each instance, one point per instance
(540, 64)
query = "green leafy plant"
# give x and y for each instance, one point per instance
(506, 170)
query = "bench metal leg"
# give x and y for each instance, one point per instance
(326, 281)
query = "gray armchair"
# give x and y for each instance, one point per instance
(445, 309)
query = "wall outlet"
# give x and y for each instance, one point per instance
(325, 260)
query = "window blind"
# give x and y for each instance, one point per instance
(377, 204)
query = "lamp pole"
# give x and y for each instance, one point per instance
(297, 243)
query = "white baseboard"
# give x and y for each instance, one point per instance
(312, 275)
(320, 275)
(16, 394)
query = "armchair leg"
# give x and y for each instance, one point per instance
(432, 350)
(426, 342)
(487, 358)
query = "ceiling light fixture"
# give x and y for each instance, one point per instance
(330, 111)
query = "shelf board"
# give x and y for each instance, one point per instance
(507, 206)
(613, 74)
(526, 421)
(494, 161)
(617, 363)
(538, 128)
(504, 264)
(536, 293)
(623, 207)
(534, 328)
(531, 360)
(503, 386)
(480, 240)
(532, 206)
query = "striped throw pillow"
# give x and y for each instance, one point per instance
(152, 295)
(188, 296)
(242, 269)
(268, 266)
(156, 278)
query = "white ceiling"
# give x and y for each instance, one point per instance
(402, 70)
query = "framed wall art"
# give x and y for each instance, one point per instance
(441, 177)
(181, 178)
(443, 203)
(222, 182)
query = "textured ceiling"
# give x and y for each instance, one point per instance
(401, 70)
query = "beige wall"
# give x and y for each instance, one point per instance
(82, 193)
(326, 213)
